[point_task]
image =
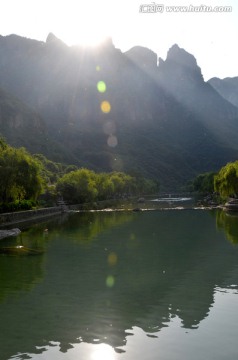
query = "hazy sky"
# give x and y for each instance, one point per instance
(210, 36)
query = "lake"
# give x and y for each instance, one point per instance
(143, 285)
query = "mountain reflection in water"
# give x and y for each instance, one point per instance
(107, 276)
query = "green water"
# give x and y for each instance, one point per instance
(122, 285)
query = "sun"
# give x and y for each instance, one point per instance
(84, 37)
(84, 23)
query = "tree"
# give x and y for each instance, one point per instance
(226, 181)
(84, 185)
(105, 186)
(3, 144)
(118, 180)
(78, 186)
(204, 183)
(19, 175)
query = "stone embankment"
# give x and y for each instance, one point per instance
(16, 217)
(8, 219)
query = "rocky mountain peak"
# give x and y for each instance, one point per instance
(181, 57)
(51, 38)
(54, 40)
(180, 64)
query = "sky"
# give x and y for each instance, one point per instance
(211, 36)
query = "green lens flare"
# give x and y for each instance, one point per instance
(101, 86)
(110, 281)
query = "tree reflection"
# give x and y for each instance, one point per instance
(19, 274)
(228, 222)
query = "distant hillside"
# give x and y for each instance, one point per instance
(164, 121)
(21, 125)
(227, 88)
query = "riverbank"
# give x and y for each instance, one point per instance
(133, 204)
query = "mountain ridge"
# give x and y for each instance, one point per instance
(227, 88)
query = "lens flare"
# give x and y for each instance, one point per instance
(110, 281)
(112, 141)
(101, 86)
(112, 259)
(109, 127)
(105, 107)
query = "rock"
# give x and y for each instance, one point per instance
(12, 232)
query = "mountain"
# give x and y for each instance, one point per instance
(161, 120)
(227, 88)
(213, 118)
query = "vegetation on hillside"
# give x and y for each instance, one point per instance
(26, 179)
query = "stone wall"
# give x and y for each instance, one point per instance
(15, 217)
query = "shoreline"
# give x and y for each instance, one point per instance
(16, 218)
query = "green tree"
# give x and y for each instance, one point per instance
(78, 186)
(118, 180)
(226, 181)
(19, 175)
(70, 168)
(204, 183)
(105, 186)
(3, 144)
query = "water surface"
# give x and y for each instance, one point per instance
(123, 285)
